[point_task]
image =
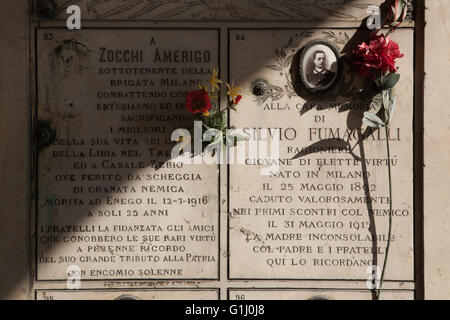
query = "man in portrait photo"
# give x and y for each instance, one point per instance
(320, 75)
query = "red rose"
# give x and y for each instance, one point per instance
(380, 54)
(198, 101)
(238, 98)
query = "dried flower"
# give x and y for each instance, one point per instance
(214, 81)
(233, 91)
(396, 14)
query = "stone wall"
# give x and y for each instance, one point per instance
(16, 116)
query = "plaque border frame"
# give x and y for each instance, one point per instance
(313, 289)
(416, 163)
(35, 153)
(216, 290)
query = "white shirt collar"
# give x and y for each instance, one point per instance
(316, 71)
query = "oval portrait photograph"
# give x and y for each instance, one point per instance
(319, 66)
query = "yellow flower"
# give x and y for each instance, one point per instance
(206, 114)
(214, 81)
(233, 91)
(203, 87)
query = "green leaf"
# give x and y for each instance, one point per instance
(372, 120)
(386, 103)
(216, 120)
(390, 81)
(218, 140)
(236, 137)
(376, 103)
(371, 124)
(392, 107)
(239, 137)
(385, 95)
(206, 126)
(378, 82)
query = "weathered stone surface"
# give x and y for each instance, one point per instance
(111, 201)
(65, 100)
(14, 151)
(436, 155)
(219, 10)
(317, 294)
(156, 294)
(323, 214)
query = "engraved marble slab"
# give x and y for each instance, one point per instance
(111, 202)
(315, 294)
(324, 213)
(156, 294)
(212, 10)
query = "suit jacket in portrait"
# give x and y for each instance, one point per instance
(318, 79)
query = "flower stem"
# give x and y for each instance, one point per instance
(390, 212)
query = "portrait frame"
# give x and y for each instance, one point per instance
(318, 83)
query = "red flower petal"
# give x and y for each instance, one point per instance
(198, 101)
(380, 54)
(238, 98)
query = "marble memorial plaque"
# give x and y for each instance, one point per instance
(111, 202)
(323, 214)
(315, 294)
(155, 294)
